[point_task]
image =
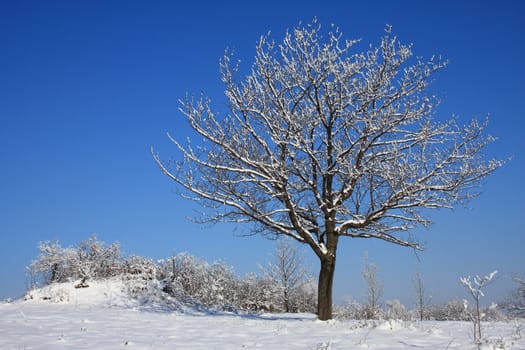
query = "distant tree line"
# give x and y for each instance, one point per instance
(283, 285)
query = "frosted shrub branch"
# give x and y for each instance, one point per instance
(475, 287)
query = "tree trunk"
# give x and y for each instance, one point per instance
(286, 300)
(324, 293)
(54, 273)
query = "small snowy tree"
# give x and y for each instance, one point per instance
(422, 299)
(374, 289)
(321, 141)
(54, 263)
(288, 272)
(91, 259)
(475, 287)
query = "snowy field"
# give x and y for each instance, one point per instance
(101, 317)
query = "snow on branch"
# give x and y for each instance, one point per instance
(475, 287)
(476, 284)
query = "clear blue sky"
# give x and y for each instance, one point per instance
(87, 86)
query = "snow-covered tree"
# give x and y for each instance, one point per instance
(374, 289)
(322, 141)
(475, 287)
(54, 263)
(91, 259)
(421, 297)
(288, 272)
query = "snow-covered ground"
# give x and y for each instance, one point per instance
(102, 317)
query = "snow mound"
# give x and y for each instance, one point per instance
(393, 325)
(110, 292)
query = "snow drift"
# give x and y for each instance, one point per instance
(104, 316)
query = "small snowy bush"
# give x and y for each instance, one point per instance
(515, 303)
(396, 311)
(352, 310)
(92, 259)
(453, 310)
(54, 264)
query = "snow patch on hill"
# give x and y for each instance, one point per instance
(110, 292)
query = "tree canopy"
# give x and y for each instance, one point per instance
(321, 141)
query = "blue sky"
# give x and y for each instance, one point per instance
(87, 86)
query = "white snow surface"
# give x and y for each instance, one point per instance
(103, 317)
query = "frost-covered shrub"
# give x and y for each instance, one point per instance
(461, 310)
(139, 266)
(493, 313)
(189, 275)
(145, 290)
(196, 281)
(515, 303)
(167, 276)
(453, 310)
(91, 259)
(396, 311)
(54, 264)
(181, 278)
(146, 281)
(221, 285)
(304, 297)
(217, 285)
(96, 260)
(255, 293)
(352, 310)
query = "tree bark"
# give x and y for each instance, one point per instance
(324, 293)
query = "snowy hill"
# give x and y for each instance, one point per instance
(106, 293)
(102, 316)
